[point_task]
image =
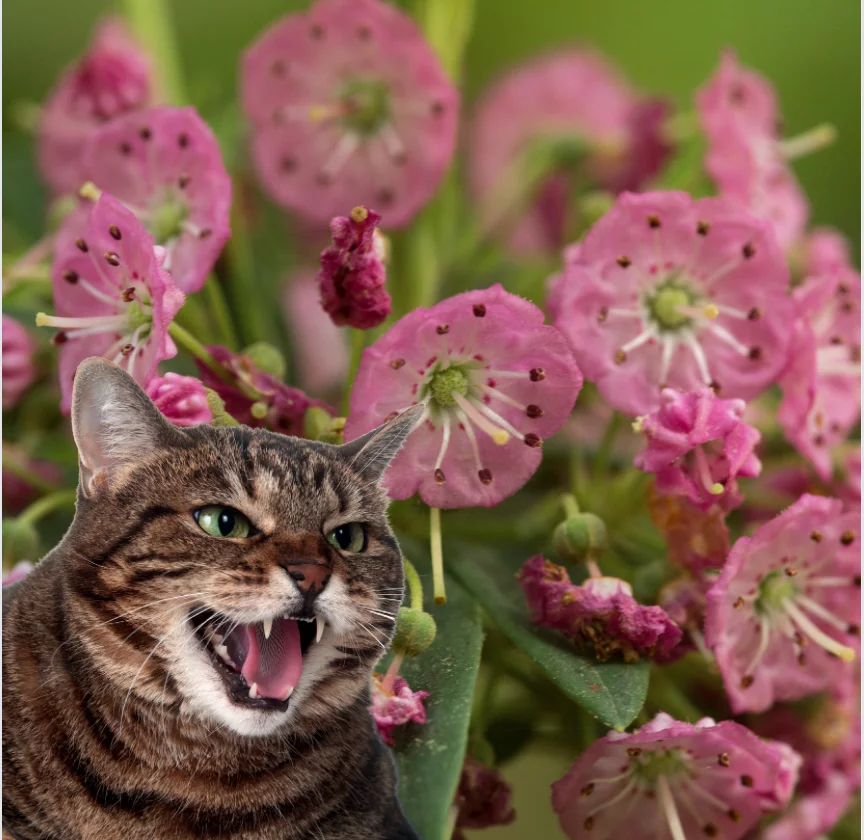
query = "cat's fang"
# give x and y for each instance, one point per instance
(319, 628)
(288, 693)
(268, 627)
(253, 690)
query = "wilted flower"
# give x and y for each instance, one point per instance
(395, 705)
(111, 79)
(786, 605)
(483, 798)
(320, 350)
(165, 165)
(352, 274)
(18, 368)
(688, 780)
(278, 406)
(746, 157)
(112, 296)
(696, 539)
(496, 382)
(822, 383)
(698, 445)
(182, 399)
(670, 291)
(349, 105)
(574, 119)
(601, 612)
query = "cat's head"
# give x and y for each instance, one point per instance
(245, 578)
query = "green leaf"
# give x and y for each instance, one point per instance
(611, 691)
(429, 757)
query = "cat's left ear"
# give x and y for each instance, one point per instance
(114, 423)
(371, 454)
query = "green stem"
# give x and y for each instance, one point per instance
(47, 504)
(26, 474)
(154, 29)
(415, 587)
(358, 344)
(437, 556)
(221, 313)
(570, 505)
(601, 461)
(421, 275)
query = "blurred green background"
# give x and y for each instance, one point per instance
(810, 49)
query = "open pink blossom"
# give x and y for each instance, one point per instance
(278, 406)
(182, 399)
(674, 779)
(113, 77)
(670, 291)
(697, 446)
(320, 349)
(165, 165)
(349, 105)
(395, 705)
(601, 613)
(825, 251)
(496, 382)
(822, 382)
(111, 295)
(18, 572)
(19, 372)
(352, 274)
(783, 618)
(483, 798)
(746, 157)
(696, 539)
(592, 131)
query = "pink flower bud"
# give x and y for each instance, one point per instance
(18, 368)
(182, 399)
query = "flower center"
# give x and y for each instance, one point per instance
(365, 106)
(445, 383)
(166, 219)
(651, 765)
(774, 589)
(666, 306)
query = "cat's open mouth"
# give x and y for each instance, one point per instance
(259, 663)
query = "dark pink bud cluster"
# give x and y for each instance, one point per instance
(352, 274)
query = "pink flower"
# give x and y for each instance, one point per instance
(826, 251)
(674, 779)
(496, 382)
(279, 408)
(319, 347)
(19, 372)
(822, 383)
(670, 291)
(112, 297)
(164, 164)
(111, 79)
(594, 132)
(395, 706)
(698, 445)
(601, 612)
(746, 158)
(784, 615)
(349, 105)
(483, 798)
(352, 274)
(696, 539)
(182, 399)
(18, 572)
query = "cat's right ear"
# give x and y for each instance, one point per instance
(371, 454)
(114, 423)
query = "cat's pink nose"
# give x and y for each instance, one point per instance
(311, 578)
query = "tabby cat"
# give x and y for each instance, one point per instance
(193, 660)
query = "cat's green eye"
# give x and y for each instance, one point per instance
(348, 537)
(222, 521)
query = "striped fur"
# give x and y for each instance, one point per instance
(115, 723)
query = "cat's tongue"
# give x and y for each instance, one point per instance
(271, 666)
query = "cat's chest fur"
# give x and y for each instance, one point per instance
(72, 771)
